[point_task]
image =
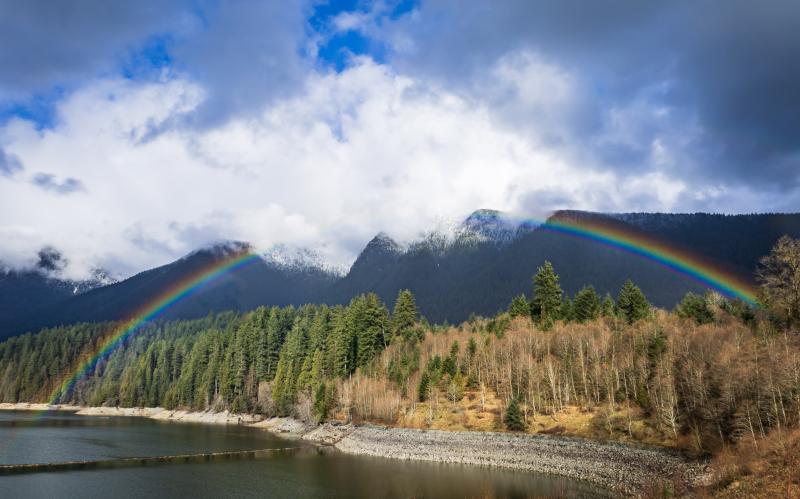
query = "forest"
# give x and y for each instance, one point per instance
(709, 373)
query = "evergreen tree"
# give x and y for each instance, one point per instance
(451, 361)
(608, 306)
(404, 315)
(369, 320)
(519, 307)
(586, 306)
(342, 345)
(269, 345)
(317, 367)
(514, 419)
(424, 386)
(321, 403)
(694, 306)
(632, 305)
(567, 310)
(547, 295)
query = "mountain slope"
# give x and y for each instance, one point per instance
(475, 267)
(261, 282)
(24, 292)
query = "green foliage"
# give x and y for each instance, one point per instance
(403, 364)
(450, 363)
(586, 306)
(405, 314)
(547, 295)
(607, 308)
(631, 303)
(514, 419)
(519, 307)
(322, 403)
(739, 309)
(694, 306)
(424, 387)
(567, 311)
(498, 326)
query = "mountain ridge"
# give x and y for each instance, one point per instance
(477, 267)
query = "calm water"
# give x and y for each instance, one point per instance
(307, 472)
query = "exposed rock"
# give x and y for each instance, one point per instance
(284, 426)
(329, 433)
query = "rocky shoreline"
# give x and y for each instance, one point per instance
(624, 468)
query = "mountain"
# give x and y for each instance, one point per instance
(480, 265)
(23, 292)
(476, 266)
(269, 280)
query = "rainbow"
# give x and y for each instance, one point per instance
(150, 310)
(615, 234)
(605, 232)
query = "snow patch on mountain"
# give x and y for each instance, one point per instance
(295, 258)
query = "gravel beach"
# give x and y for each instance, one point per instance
(625, 468)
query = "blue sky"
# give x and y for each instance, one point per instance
(132, 135)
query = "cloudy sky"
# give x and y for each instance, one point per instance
(134, 132)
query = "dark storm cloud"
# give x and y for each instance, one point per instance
(45, 44)
(731, 68)
(51, 260)
(243, 54)
(48, 182)
(9, 163)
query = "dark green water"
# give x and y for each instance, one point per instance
(306, 472)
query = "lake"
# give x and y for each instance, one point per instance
(301, 470)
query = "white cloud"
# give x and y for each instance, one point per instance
(351, 154)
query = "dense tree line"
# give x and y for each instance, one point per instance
(259, 361)
(549, 303)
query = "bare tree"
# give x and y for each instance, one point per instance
(779, 275)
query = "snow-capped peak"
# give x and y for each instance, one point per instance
(296, 258)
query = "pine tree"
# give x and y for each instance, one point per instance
(547, 294)
(632, 305)
(608, 306)
(321, 403)
(567, 310)
(514, 419)
(404, 315)
(317, 367)
(694, 306)
(586, 306)
(342, 345)
(269, 345)
(368, 318)
(519, 307)
(472, 347)
(304, 380)
(424, 387)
